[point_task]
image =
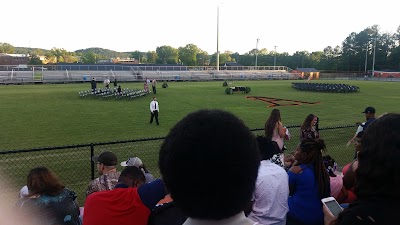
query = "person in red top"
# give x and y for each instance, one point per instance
(129, 203)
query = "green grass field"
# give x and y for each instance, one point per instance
(54, 115)
(48, 115)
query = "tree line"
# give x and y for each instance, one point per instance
(356, 54)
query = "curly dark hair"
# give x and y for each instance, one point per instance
(209, 163)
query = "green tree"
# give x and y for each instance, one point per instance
(167, 55)
(35, 60)
(397, 36)
(300, 59)
(223, 58)
(89, 58)
(316, 59)
(349, 50)
(6, 48)
(253, 52)
(235, 57)
(70, 58)
(188, 54)
(151, 57)
(203, 59)
(59, 55)
(262, 51)
(50, 58)
(138, 56)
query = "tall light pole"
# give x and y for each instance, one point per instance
(258, 39)
(366, 59)
(373, 58)
(218, 38)
(275, 56)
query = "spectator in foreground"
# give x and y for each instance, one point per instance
(166, 213)
(308, 184)
(128, 204)
(48, 201)
(106, 167)
(209, 163)
(309, 128)
(135, 161)
(270, 203)
(378, 177)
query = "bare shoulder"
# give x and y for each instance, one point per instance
(295, 169)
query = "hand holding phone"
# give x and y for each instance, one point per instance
(332, 205)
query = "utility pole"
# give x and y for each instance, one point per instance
(275, 56)
(366, 59)
(373, 58)
(217, 38)
(258, 39)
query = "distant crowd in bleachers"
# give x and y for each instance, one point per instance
(218, 173)
(325, 87)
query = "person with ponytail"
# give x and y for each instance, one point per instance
(275, 131)
(308, 184)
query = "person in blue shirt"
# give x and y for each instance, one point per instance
(308, 184)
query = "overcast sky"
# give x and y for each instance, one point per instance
(123, 25)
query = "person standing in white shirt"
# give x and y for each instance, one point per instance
(154, 109)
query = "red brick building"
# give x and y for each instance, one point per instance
(13, 59)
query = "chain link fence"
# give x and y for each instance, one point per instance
(75, 169)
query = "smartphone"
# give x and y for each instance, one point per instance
(332, 205)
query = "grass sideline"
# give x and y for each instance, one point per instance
(49, 115)
(54, 115)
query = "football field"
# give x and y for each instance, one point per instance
(54, 115)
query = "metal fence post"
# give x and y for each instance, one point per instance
(91, 161)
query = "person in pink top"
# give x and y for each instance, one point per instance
(336, 181)
(275, 131)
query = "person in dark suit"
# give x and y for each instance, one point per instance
(94, 84)
(154, 109)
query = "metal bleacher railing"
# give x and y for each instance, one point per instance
(74, 166)
(138, 72)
